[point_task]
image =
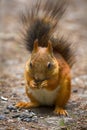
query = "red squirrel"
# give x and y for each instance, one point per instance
(47, 71)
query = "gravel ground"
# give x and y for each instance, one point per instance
(12, 62)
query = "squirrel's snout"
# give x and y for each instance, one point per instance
(38, 79)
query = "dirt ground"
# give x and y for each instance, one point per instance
(12, 61)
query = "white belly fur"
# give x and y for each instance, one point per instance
(44, 96)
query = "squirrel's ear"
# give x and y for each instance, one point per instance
(35, 48)
(49, 48)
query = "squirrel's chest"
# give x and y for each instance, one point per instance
(44, 96)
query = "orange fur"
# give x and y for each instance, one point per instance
(53, 82)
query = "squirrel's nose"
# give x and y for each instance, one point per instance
(36, 79)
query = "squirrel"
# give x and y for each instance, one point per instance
(47, 70)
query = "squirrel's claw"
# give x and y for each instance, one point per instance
(44, 84)
(60, 111)
(21, 105)
(33, 84)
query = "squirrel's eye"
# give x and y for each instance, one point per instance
(31, 65)
(49, 65)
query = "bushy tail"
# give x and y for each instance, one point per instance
(40, 21)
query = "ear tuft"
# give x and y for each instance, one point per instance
(49, 48)
(35, 48)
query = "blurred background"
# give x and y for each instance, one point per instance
(13, 58)
(73, 25)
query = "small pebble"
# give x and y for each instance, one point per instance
(10, 108)
(15, 110)
(63, 128)
(6, 112)
(26, 111)
(27, 119)
(23, 128)
(31, 114)
(10, 120)
(23, 115)
(4, 99)
(68, 120)
(16, 116)
(35, 119)
(29, 110)
(18, 119)
(2, 117)
(75, 91)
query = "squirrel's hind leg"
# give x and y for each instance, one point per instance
(63, 96)
(31, 104)
(60, 111)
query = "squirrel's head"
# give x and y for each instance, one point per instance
(42, 64)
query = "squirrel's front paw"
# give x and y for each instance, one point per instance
(33, 84)
(21, 105)
(44, 84)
